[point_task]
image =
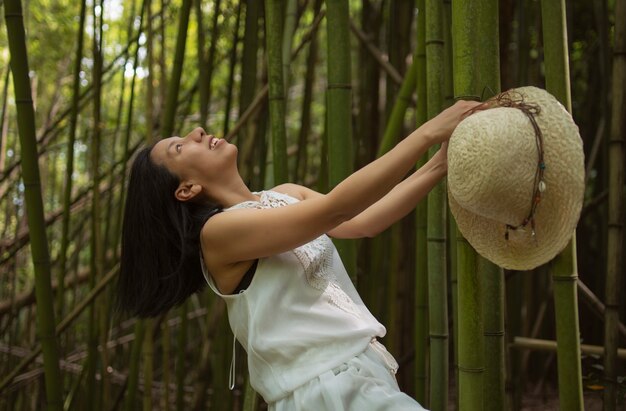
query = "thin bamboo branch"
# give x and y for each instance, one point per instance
(551, 346)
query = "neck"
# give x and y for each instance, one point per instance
(233, 192)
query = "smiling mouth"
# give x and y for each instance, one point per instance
(213, 142)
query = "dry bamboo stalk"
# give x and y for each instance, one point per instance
(537, 344)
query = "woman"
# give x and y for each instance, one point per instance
(310, 341)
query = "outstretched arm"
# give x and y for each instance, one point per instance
(396, 204)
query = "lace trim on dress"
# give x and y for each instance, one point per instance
(315, 256)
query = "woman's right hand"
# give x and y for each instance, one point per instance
(440, 128)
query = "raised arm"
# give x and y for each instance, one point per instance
(396, 204)
(247, 234)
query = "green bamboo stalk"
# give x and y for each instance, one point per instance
(491, 276)
(110, 233)
(305, 121)
(127, 133)
(4, 121)
(367, 131)
(436, 226)
(166, 364)
(248, 84)
(396, 119)
(208, 64)
(448, 93)
(33, 199)
(565, 269)
(231, 74)
(470, 321)
(96, 252)
(273, 41)
(615, 256)
(250, 399)
(149, 47)
(181, 355)
(421, 251)
(177, 68)
(148, 363)
(202, 63)
(67, 193)
(133, 372)
(291, 20)
(130, 403)
(339, 110)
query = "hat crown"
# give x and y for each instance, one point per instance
(495, 159)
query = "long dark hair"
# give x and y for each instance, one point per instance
(160, 260)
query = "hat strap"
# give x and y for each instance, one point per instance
(539, 186)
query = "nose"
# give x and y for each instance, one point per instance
(197, 134)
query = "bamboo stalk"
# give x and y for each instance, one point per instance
(339, 110)
(273, 40)
(291, 21)
(249, 65)
(437, 278)
(33, 199)
(421, 251)
(150, 78)
(377, 54)
(491, 275)
(305, 121)
(231, 74)
(148, 362)
(615, 250)
(470, 320)
(396, 119)
(96, 252)
(565, 270)
(180, 357)
(169, 115)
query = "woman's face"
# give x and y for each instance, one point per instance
(197, 158)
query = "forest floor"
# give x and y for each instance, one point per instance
(548, 400)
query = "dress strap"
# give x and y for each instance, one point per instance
(385, 355)
(231, 372)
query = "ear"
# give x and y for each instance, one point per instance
(187, 191)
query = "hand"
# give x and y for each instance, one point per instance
(441, 127)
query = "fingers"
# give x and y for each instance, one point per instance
(471, 107)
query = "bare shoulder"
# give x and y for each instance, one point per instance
(297, 191)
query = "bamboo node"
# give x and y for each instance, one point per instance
(566, 278)
(473, 370)
(339, 85)
(434, 41)
(439, 336)
(493, 333)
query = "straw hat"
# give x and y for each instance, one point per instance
(513, 210)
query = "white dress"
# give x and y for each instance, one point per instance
(309, 339)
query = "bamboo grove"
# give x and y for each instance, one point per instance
(309, 90)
